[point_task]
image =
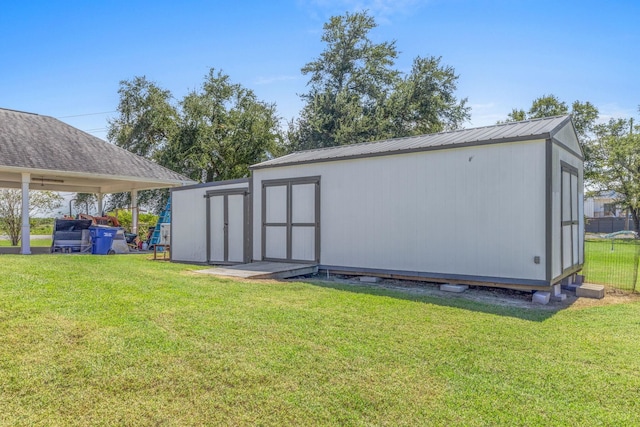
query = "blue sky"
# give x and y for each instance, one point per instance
(66, 58)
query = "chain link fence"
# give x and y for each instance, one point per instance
(612, 262)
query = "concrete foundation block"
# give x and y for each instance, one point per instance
(572, 287)
(452, 287)
(559, 297)
(556, 290)
(588, 290)
(568, 284)
(541, 297)
(369, 279)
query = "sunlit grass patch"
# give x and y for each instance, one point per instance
(124, 340)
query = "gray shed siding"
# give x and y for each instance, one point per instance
(460, 211)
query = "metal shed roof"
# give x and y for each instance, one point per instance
(506, 132)
(60, 157)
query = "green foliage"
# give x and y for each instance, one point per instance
(146, 118)
(120, 340)
(355, 93)
(615, 159)
(214, 133)
(223, 129)
(125, 218)
(547, 106)
(583, 114)
(11, 209)
(424, 101)
(85, 203)
(516, 115)
(153, 200)
(41, 225)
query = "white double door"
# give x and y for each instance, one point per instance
(291, 220)
(227, 226)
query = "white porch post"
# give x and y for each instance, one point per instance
(99, 204)
(134, 211)
(26, 229)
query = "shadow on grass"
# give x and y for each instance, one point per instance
(478, 300)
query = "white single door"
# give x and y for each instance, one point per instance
(570, 218)
(235, 228)
(303, 222)
(216, 229)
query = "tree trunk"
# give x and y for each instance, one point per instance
(635, 214)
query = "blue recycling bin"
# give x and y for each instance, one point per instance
(102, 239)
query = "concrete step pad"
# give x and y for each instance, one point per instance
(589, 290)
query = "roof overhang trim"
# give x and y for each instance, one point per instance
(532, 138)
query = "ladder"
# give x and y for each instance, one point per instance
(165, 217)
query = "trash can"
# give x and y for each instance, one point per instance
(101, 240)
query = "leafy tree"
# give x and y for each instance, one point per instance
(146, 122)
(213, 133)
(11, 209)
(424, 101)
(84, 201)
(146, 118)
(356, 95)
(584, 114)
(516, 115)
(223, 129)
(547, 106)
(348, 84)
(616, 155)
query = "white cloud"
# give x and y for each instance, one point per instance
(614, 111)
(487, 106)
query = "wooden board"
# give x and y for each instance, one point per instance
(263, 270)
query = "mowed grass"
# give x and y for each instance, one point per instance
(33, 242)
(121, 340)
(612, 263)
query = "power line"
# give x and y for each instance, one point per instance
(87, 114)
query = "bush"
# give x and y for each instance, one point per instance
(145, 220)
(41, 225)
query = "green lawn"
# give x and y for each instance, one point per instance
(34, 242)
(121, 340)
(612, 264)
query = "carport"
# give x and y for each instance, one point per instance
(42, 153)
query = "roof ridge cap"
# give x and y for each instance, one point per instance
(19, 111)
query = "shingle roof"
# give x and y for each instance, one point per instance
(515, 131)
(33, 141)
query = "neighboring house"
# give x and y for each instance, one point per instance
(603, 205)
(495, 206)
(604, 214)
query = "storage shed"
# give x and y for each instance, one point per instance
(210, 223)
(498, 205)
